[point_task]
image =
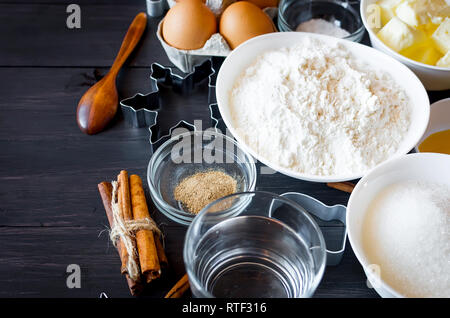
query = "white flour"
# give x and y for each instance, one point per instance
(315, 109)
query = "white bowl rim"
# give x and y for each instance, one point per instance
(358, 188)
(396, 54)
(306, 176)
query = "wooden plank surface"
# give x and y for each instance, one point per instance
(34, 260)
(42, 38)
(50, 211)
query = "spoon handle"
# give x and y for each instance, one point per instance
(131, 39)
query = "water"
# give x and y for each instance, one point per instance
(253, 256)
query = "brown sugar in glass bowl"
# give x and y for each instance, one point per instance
(167, 169)
(202, 188)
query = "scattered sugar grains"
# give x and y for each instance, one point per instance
(406, 232)
(316, 109)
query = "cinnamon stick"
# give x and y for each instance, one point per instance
(124, 201)
(342, 186)
(105, 189)
(145, 240)
(179, 289)
(160, 249)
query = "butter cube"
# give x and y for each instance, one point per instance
(423, 52)
(407, 12)
(444, 61)
(442, 36)
(440, 13)
(398, 35)
(429, 56)
(418, 12)
(387, 9)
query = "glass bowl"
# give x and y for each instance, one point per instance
(293, 12)
(188, 153)
(269, 247)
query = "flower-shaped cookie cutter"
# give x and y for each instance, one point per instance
(334, 214)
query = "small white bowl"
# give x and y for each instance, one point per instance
(420, 166)
(245, 54)
(439, 119)
(434, 78)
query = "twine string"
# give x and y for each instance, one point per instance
(125, 229)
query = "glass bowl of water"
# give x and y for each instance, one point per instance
(254, 245)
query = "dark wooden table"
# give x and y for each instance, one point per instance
(50, 211)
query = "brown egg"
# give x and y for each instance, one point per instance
(242, 21)
(265, 3)
(188, 25)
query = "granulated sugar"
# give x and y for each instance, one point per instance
(407, 233)
(316, 109)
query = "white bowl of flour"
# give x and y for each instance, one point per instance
(319, 108)
(398, 223)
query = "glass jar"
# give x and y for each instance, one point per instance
(291, 13)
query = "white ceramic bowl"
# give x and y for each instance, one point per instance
(439, 119)
(421, 166)
(433, 77)
(245, 54)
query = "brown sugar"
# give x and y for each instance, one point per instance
(202, 188)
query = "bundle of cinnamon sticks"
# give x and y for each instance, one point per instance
(147, 250)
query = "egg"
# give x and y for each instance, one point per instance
(242, 21)
(265, 3)
(188, 25)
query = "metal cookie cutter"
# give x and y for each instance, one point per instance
(156, 8)
(212, 101)
(325, 213)
(143, 110)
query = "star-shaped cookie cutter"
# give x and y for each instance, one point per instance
(142, 110)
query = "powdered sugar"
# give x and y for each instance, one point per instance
(316, 109)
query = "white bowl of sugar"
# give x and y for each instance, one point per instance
(398, 222)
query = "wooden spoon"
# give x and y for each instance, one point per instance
(99, 104)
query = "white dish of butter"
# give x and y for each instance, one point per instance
(417, 29)
(413, 46)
